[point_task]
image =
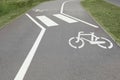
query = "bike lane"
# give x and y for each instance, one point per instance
(55, 59)
(16, 40)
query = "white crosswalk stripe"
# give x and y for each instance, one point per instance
(64, 18)
(47, 21)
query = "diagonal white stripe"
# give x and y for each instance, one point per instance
(81, 20)
(22, 71)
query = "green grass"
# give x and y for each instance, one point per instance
(9, 9)
(106, 14)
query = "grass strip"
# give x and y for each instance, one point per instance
(106, 14)
(10, 9)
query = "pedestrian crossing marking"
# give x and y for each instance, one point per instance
(47, 21)
(64, 18)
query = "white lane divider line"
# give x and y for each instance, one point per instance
(22, 71)
(65, 18)
(62, 12)
(39, 25)
(81, 20)
(47, 21)
(63, 4)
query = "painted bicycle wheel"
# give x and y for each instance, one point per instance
(75, 43)
(107, 43)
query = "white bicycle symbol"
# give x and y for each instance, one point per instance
(79, 41)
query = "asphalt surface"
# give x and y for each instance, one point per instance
(115, 2)
(54, 58)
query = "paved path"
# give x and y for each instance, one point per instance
(57, 40)
(115, 2)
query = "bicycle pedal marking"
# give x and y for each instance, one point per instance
(100, 41)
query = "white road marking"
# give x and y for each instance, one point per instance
(47, 21)
(43, 10)
(81, 21)
(62, 12)
(100, 41)
(109, 47)
(22, 71)
(64, 18)
(35, 21)
(63, 4)
(40, 10)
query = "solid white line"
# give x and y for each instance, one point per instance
(35, 21)
(81, 20)
(47, 21)
(62, 12)
(64, 18)
(63, 4)
(22, 71)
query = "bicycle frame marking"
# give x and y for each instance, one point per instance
(93, 40)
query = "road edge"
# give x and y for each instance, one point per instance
(101, 26)
(17, 17)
